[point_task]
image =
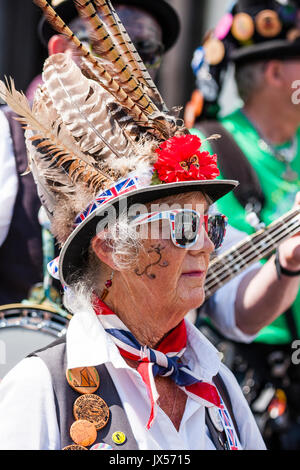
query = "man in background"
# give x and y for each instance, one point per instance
(261, 141)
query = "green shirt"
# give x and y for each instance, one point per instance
(279, 194)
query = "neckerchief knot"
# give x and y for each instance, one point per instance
(165, 360)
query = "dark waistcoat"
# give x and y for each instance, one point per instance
(21, 258)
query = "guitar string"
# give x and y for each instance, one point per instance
(238, 257)
(246, 259)
(235, 253)
(270, 230)
(288, 217)
(280, 224)
(254, 240)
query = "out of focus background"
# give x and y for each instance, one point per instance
(22, 55)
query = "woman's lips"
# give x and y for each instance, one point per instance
(194, 274)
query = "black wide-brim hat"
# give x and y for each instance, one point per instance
(270, 50)
(250, 31)
(163, 12)
(74, 253)
(264, 48)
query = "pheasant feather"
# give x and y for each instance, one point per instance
(82, 105)
(127, 49)
(97, 69)
(93, 123)
(53, 148)
(104, 46)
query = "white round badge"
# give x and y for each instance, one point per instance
(215, 418)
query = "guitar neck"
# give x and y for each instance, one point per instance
(250, 250)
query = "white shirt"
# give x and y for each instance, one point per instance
(27, 408)
(8, 178)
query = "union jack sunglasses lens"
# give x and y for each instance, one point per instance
(187, 227)
(216, 229)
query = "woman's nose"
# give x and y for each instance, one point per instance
(203, 244)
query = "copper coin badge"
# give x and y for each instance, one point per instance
(90, 411)
(268, 23)
(74, 447)
(83, 432)
(214, 51)
(91, 408)
(242, 27)
(83, 379)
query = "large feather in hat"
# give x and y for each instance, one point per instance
(91, 123)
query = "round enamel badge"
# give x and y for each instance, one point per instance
(214, 51)
(268, 23)
(101, 446)
(118, 437)
(215, 418)
(242, 27)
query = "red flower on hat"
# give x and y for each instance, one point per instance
(179, 159)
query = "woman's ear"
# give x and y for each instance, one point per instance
(274, 73)
(103, 251)
(57, 44)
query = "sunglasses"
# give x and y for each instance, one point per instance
(186, 226)
(150, 51)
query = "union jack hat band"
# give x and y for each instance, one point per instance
(126, 192)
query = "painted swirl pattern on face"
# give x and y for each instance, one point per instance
(157, 249)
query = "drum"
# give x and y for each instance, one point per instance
(25, 328)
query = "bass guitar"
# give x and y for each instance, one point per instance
(250, 250)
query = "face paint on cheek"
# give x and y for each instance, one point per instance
(156, 250)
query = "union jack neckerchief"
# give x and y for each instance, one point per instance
(164, 361)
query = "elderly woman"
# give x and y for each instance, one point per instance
(127, 191)
(155, 283)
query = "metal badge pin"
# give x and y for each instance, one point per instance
(215, 418)
(84, 380)
(74, 447)
(268, 23)
(93, 409)
(118, 437)
(242, 27)
(214, 51)
(101, 446)
(83, 433)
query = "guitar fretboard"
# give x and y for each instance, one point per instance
(253, 248)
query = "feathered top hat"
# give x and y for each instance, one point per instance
(162, 11)
(252, 30)
(100, 134)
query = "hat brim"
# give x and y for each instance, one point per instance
(73, 256)
(269, 50)
(164, 14)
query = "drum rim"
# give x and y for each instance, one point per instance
(44, 307)
(45, 325)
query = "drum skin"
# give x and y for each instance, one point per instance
(26, 327)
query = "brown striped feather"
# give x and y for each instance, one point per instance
(104, 46)
(127, 48)
(94, 65)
